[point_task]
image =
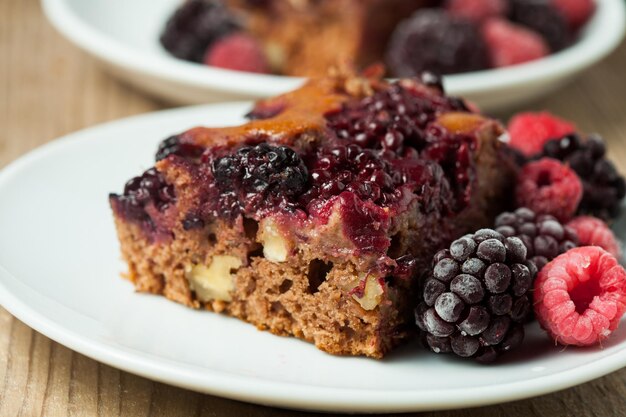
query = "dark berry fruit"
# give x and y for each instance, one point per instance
(174, 146)
(603, 186)
(477, 297)
(257, 177)
(432, 40)
(542, 17)
(543, 235)
(147, 190)
(194, 26)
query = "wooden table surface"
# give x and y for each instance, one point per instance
(49, 88)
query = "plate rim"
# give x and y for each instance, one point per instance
(609, 21)
(255, 389)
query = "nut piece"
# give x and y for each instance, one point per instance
(372, 292)
(275, 246)
(214, 282)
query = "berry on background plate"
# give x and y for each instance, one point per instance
(580, 296)
(238, 51)
(511, 44)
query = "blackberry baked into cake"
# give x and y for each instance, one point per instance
(315, 218)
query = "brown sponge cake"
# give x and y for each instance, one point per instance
(315, 219)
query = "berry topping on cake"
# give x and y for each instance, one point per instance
(547, 186)
(576, 12)
(603, 186)
(511, 44)
(543, 18)
(175, 146)
(477, 296)
(194, 26)
(476, 10)
(580, 296)
(237, 51)
(544, 236)
(529, 132)
(592, 231)
(432, 40)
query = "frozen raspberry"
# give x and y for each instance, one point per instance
(476, 10)
(511, 44)
(432, 40)
(239, 52)
(603, 186)
(592, 231)
(547, 186)
(476, 299)
(544, 236)
(576, 12)
(194, 26)
(529, 132)
(580, 296)
(542, 17)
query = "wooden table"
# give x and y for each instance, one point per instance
(49, 88)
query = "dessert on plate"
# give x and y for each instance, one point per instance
(319, 216)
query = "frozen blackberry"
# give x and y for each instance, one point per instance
(603, 186)
(432, 40)
(194, 26)
(543, 18)
(544, 236)
(476, 299)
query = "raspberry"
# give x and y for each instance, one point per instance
(547, 186)
(511, 44)
(543, 18)
(476, 10)
(432, 40)
(594, 232)
(239, 52)
(544, 236)
(580, 296)
(529, 132)
(575, 12)
(476, 299)
(603, 186)
(194, 26)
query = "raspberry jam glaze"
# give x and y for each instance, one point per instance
(374, 158)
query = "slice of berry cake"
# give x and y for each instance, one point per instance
(315, 218)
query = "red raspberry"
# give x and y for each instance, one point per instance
(528, 132)
(476, 10)
(511, 44)
(238, 52)
(580, 296)
(592, 231)
(547, 186)
(575, 12)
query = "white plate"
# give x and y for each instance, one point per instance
(59, 273)
(124, 35)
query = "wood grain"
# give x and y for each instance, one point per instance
(48, 88)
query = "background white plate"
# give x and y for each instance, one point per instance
(59, 273)
(124, 35)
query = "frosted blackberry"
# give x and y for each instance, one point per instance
(544, 236)
(603, 186)
(194, 26)
(476, 299)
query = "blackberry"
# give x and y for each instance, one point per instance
(544, 236)
(147, 189)
(603, 186)
(432, 40)
(476, 299)
(543, 18)
(174, 146)
(261, 176)
(194, 26)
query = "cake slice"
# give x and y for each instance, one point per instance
(315, 218)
